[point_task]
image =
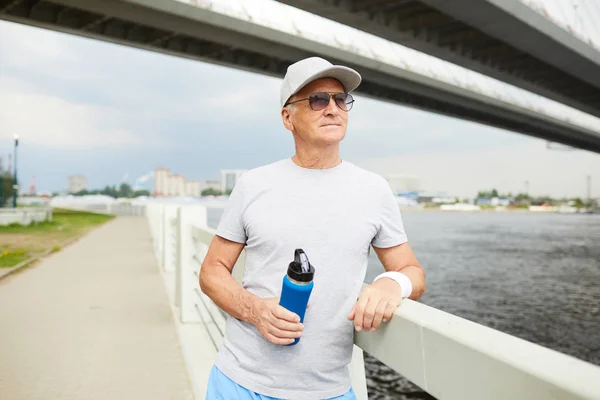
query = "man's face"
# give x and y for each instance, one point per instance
(323, 127)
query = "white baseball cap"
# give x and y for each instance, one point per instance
(309, 69)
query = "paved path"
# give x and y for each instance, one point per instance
(92, 321)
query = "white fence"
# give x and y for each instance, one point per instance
(25, 215)
(106, 208)
(447, 356)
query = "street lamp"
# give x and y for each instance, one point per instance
(15, 182)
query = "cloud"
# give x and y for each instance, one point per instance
(465, 172)
(78, 102)
(51, 121)
(151, 86)
(32, 47)
(384, 130)
(220, 99)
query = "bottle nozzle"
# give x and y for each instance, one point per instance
(300, 267)
(304, 262)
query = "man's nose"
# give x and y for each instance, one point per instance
(332, 108)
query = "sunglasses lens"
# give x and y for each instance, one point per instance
(344, 101)
(318, 101)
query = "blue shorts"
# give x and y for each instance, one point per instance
(220, 387)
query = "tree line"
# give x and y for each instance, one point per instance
(215, 192)
(526, 198)
(6, 190)
(124, 190)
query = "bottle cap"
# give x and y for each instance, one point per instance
(300, 269)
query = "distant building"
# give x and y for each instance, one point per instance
(494, 201)
(161, 182)
(404, 183)
(436, 198)
(407, 194)
(169, 184)
(212, 184)
(229, 178)
(76, 183)
(177, 185)
(192, 188)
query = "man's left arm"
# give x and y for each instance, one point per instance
(378, 301)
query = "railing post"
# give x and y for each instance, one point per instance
(166, 236)
(152, 216)
(357, 374)
(178, 249)
(163, 235)
(170, 213)
(159, 233)
(155, 215)
(187, 281)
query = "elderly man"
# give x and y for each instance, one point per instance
(334, 211)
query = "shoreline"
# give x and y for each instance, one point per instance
(493, 211)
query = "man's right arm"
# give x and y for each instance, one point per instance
(274, 322)
(217, 282)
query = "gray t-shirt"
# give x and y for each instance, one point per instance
(334, 215)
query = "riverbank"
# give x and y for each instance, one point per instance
(494, 211)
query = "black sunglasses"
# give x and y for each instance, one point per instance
(320, 100)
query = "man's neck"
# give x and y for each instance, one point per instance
(318, 158)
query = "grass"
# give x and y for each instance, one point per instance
(18, 243)
(9, 259)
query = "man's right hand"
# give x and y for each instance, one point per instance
(277, 324)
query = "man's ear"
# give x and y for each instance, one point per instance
(286, 116)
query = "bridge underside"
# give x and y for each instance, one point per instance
(513, 44)
(183, 30)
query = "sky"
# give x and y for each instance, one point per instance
(110, 112)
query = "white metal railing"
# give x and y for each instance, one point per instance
(104, 208)
(25, 215)
(447, 356)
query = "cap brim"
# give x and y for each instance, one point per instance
(348, 77)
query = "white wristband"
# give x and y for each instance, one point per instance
(401, 279)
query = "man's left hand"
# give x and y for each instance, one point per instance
(376, 304)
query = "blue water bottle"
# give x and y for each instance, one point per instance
(297, 286)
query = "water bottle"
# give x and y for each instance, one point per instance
(297, 286)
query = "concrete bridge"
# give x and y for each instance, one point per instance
(504, 39)
(266, 38)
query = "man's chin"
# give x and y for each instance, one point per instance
(332, 135)
(331, 139)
